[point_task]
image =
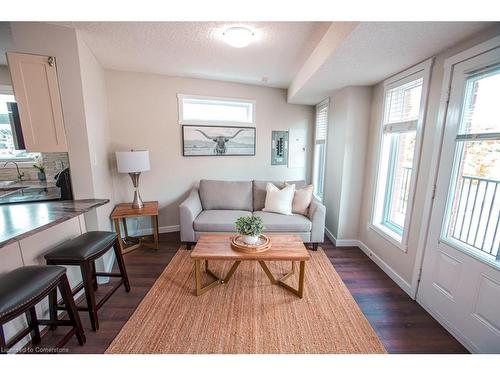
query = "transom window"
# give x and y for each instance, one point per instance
(199, 110)
(404, 101)
(473, 213)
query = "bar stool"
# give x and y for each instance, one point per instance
(22, 288)
(82, 251)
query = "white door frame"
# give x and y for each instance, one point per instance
(449, 63)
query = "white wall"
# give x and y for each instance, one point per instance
(143, 115)
(98, 131)
(401, 265)
(345, 160)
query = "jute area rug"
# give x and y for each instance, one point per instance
(247, 315)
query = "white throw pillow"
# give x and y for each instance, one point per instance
(279, 201)
(302, 200)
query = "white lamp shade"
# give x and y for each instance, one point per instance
(132, 161)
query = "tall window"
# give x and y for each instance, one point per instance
(473, 214)
(320, 134)
(398, 157)
(9, 147)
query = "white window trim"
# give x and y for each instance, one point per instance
(324, 102)
(422, 70)
(182, 121)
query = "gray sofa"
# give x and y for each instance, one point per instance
(215, 205)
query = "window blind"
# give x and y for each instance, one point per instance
(402, 106)
(321, 122)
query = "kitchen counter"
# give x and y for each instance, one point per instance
(21, 220)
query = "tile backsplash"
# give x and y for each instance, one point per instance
(53, 162)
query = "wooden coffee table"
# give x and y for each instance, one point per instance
(218, 247)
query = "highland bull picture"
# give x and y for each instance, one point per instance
(200, 140)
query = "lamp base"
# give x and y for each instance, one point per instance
(137, 203)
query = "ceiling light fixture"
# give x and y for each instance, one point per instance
(238, 37)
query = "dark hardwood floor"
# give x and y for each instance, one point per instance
(402, 324)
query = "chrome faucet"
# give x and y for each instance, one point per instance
(20, 174)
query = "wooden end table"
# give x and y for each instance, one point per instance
(218, 247)
(122, 212)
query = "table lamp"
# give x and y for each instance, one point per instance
(133, 162)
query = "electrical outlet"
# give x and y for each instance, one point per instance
(59, 164)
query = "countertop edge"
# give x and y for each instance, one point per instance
(70, 209)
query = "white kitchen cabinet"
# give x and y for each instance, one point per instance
(36, 89)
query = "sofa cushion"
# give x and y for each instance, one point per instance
(218, 220)
(226, 195)
(284, 223)
(302, 199)
(279, 200)
(259, 193)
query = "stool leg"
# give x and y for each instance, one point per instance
(3, 344)
(69, 303)
(94, 277)
(33, 325)
(53, 307)
(121, 265)
(88, 285)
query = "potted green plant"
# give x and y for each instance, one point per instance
(250, 228)
(41, 170)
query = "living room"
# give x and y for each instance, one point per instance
(190, 186)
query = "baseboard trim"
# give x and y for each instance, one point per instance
(347, 243)
(170, 229)
(340, 243)
(402, 283)
(330, 236)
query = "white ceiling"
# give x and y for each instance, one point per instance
(194, 49)
(373, 51)
(286, 53)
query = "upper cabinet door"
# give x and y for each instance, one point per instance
(36, 89)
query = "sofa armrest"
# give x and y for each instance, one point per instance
(317, 215)
(189, 210)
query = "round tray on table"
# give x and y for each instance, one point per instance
(263, 244)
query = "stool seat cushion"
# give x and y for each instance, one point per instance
(85, 246)
(23, 285)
